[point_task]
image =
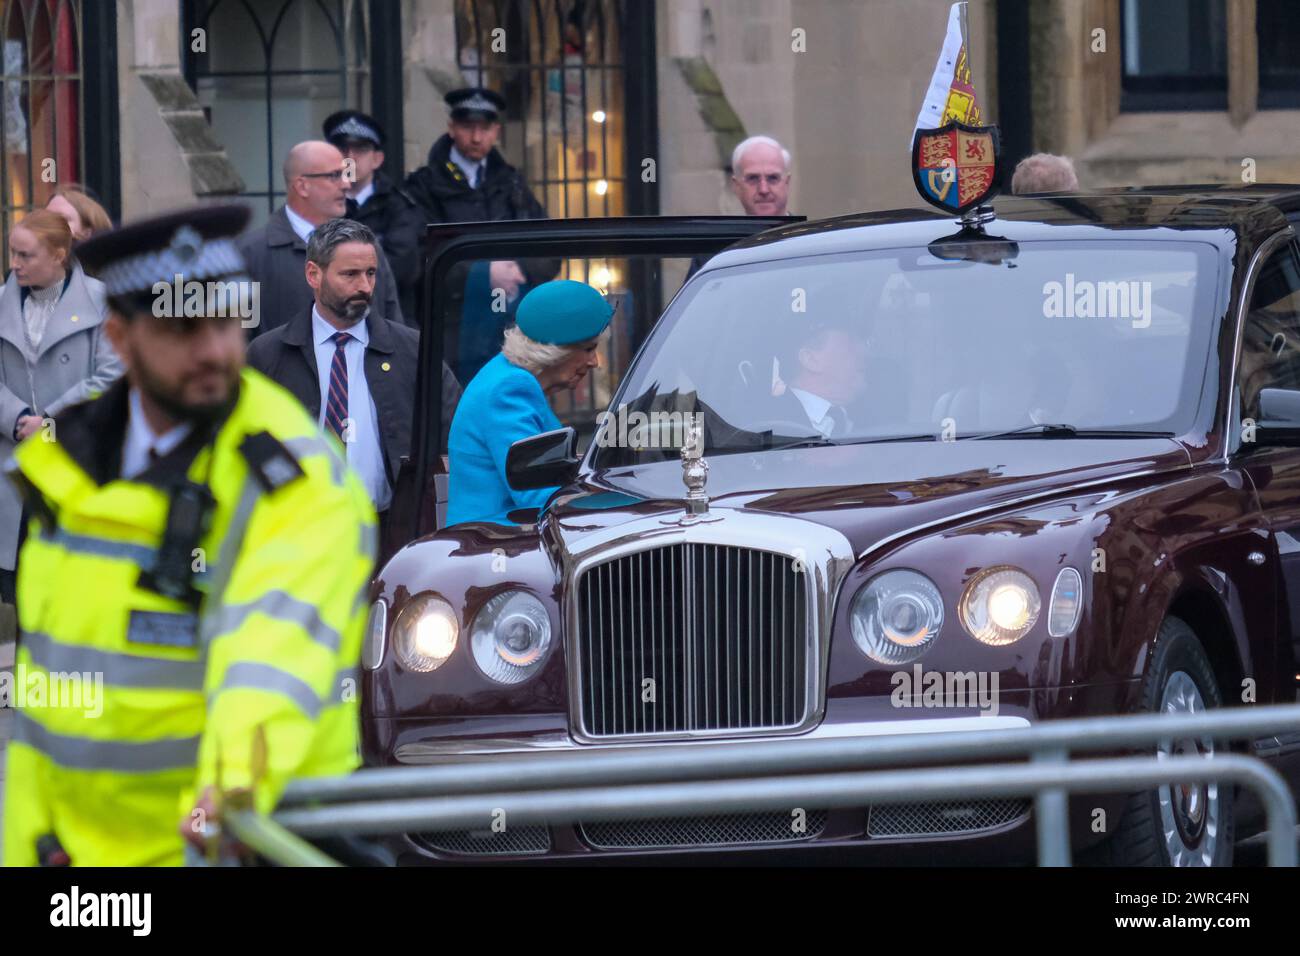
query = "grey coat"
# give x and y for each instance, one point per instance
(74, 362)
(277, 260)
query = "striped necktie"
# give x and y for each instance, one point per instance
(336, 410)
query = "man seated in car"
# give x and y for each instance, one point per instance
(823, 372)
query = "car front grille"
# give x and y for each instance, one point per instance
(512, 841)
(693, 637)
(957, 816)
(728, 830)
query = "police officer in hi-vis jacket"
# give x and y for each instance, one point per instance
(195, 539)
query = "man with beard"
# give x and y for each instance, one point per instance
(197, 543)
(353, 370)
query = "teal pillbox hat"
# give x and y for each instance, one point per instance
(562, 312)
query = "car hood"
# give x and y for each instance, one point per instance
(868, 492)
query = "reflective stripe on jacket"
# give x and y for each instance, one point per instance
(141, 712)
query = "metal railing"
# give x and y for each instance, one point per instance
(621, 783)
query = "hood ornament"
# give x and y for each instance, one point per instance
(695, 473)
(695, 470)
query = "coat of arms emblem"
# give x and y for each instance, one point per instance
(956, 166)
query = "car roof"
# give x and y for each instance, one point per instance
(1236, 218)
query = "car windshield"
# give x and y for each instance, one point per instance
(922, 343)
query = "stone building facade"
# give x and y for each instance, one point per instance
(210, 93)
(829, 78)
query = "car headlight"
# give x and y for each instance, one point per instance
(425, 633)
(999, 606)
(510, 635)
(1066, 605)
(897, 616)
(372, 651)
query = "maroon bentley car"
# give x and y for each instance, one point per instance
(878, 474)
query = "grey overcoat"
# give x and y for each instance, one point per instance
(73, 363)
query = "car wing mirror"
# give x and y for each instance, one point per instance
(543, 461)
(1279, 417)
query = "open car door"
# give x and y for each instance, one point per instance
(639, 263)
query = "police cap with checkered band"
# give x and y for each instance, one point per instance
(194, 244)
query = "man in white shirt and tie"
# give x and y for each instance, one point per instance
(143, 446)
(353, 370)
(823, 375)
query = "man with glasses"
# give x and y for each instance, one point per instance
(760, 176)
(316, 185)
(760, 179)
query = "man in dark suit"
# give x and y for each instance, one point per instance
(276, 254)
(823, 372)
(354, 371)
(376, 201)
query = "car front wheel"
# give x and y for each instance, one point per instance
(1176, 824)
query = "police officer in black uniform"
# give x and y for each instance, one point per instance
(466, 179)
(375, 200)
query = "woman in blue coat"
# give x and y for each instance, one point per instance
(553, 346)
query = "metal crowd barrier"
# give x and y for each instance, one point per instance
(637, 782)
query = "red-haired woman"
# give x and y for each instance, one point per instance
(53, 350)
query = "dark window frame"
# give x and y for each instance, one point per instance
(1275, 95)
(1147, 94)
(1288, 254)
(100, 121)
(383, 67)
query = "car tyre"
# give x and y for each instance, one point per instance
(1175, 825)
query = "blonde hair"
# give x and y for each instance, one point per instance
(536, 356)
(93, 216)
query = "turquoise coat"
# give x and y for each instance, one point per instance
(502, 404)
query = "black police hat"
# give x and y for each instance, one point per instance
(196, 243)
(475, 102)
(346, 125)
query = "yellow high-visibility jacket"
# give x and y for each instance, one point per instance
(282, 569)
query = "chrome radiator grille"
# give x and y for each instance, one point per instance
(693, 637)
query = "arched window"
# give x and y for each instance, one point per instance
(268, 74)
(41, 136)
(560, 66)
